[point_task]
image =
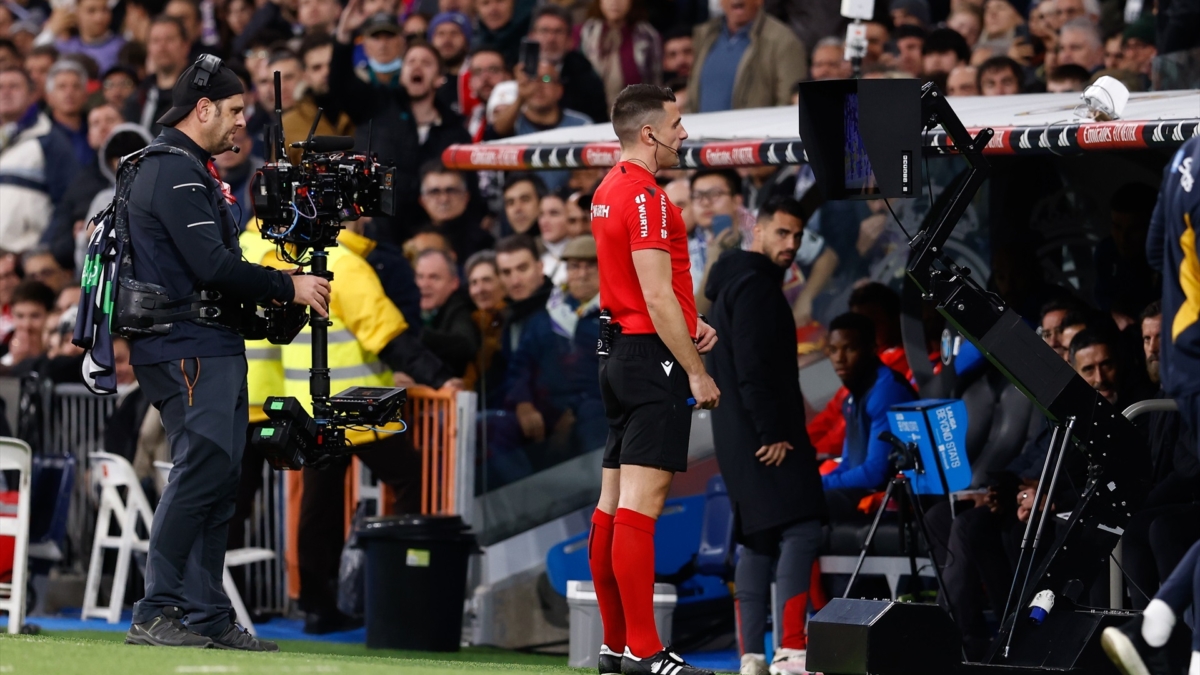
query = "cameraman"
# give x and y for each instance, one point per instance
(184, 238)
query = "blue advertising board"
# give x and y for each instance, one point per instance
(930, 423)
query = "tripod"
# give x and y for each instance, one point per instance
(900, 487)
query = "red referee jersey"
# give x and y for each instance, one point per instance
(631, 212)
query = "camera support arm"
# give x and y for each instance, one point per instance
(1118, 480)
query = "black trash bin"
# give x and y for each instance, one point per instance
(416, 581)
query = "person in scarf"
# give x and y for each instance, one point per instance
(622, 46)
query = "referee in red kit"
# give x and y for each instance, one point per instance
(650, 378)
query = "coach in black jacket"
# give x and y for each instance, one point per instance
(763, 449)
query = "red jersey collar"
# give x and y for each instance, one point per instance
(637, 167)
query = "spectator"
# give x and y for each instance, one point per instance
(10, 54)
(448, 329)
(909, 39)
(1040, 20)
(552, 386)
(877, 39)
(32, 302)
(579, 217)
(1096, 355)
(237, 16)
(1000, 21)
(291, 75)
(187, 12)
(539, 108)
(763, 450)
(910, 13)
(621, 45)
(943, 51)
(124, 139)
(317, 17)
(874, 388)
(316, 52)
(167, 51)
(485, 71)
(583, 90)
(483, 285)
(716, 193)
(119, 83)
(1051, 323)
(679, 53)
(73, 210)
(450, 35)
(526, 291)
(445, 198)
(828, 60)
(415, 25)
(1125, 283)
(774, 60)
(552, 223)
(1000, 76)
(502, 25)
(1072, 324)
(237, 170)
(66, 93)
(1067, 78)
(410, 126)
(962, 81)
(92, 21)
(30, 146)
(1114, 54)
(1080, 44)
(679, 191)
(38, 63)
(1139, 46)
(522, 201)
(383, 45)
(10, 275)
(41, 266)
(1070, 10)
(966, 23)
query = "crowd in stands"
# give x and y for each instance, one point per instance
(496, 272)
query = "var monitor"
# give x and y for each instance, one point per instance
(863, 137)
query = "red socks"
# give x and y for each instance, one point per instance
(633, 563)
(793, 636)
(600, 558)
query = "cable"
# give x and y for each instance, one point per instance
(928, 178)
(889, 205)
(1130, 579)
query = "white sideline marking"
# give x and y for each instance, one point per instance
(206, 669)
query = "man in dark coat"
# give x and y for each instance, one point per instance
(762, 446)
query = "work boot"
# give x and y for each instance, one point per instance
(1128, 650)
(166, 630)
(236, 637)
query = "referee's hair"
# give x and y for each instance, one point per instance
(777, 203)
(517, 242)
(636, 106)
(863, 326)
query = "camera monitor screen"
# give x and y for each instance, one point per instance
(862, 137)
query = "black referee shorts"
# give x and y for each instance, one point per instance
(645, 399)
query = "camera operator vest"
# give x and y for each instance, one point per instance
(350, 364)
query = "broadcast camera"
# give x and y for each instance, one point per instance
(301, 208)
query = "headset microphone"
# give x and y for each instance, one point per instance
(673, 150)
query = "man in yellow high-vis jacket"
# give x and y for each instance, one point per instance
(369, 340)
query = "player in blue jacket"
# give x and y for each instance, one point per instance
(874, 389)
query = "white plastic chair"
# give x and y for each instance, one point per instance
(113, 472)
(15, 455)
(233, 558)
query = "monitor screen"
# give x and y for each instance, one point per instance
(859, 178)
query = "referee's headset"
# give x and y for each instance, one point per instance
(206, 68)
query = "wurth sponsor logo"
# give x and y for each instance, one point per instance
(662, 205)
(640, 200)
(599, 210)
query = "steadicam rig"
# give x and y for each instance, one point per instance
(300, 208)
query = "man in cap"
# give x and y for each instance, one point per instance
(450, 35)
(383, 44)
(184, 239)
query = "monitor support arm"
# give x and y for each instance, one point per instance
(1117, 477)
